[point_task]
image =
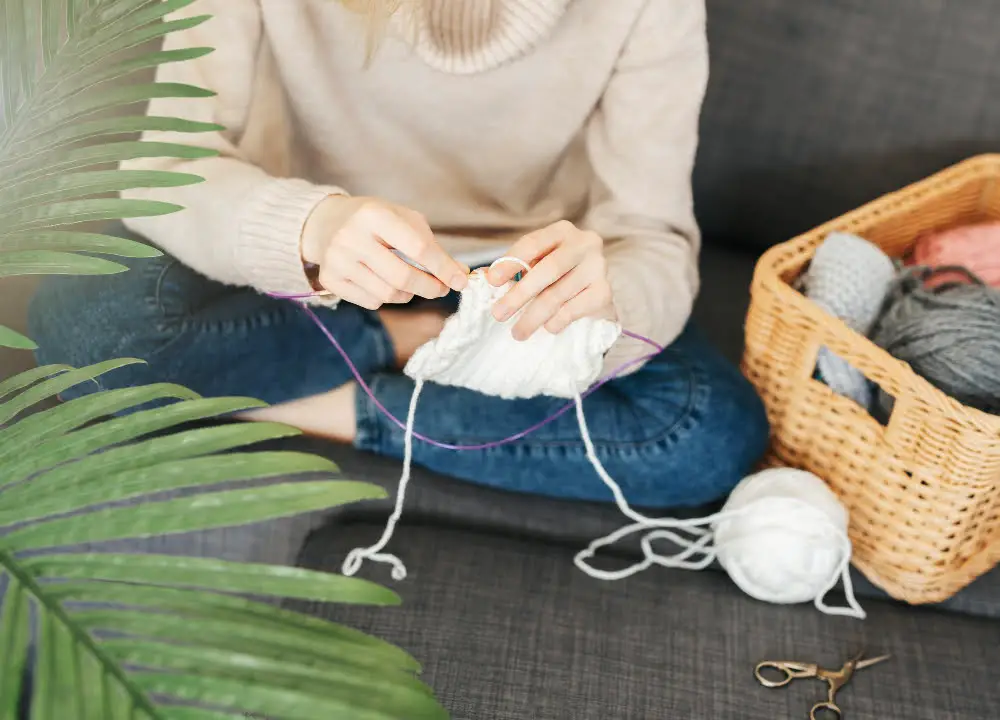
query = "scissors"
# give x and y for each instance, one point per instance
(835, 679)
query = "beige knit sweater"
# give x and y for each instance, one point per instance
(490, 117)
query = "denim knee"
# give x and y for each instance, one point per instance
(80, 321)
(736, 418)
(718, 443)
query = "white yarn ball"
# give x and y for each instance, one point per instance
(790, 540)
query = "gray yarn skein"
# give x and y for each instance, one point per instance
(949, 334)
(848, 277)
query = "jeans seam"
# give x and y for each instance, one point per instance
(385, 351)
(185, 324)
(368, 431)
(270, 317)
(697, 389)
(157, 299)
(694, 389)
(659, 443)
(128, 338)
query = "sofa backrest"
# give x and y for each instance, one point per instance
(817, 106)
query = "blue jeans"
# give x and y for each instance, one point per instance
(682, 431)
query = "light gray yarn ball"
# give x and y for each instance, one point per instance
(849, 278)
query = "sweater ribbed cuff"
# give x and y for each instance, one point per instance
(269, 255)
(657, 318)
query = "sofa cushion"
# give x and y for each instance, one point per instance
(507, 629)
(721, 307)
(814, 108)
(444, 502)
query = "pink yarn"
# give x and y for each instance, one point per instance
(975, 247)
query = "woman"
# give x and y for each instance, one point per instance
(561, 132)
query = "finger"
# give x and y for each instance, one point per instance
(335, 261)
(416, 240)
(549, 302)
(530, 248)
(592, 302)
(552, 267)
(398, 273)
(355, 295)
(363, 276)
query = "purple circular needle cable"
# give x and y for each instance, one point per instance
(447, 446)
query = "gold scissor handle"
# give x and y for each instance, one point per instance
(826, 710)
(790, 670)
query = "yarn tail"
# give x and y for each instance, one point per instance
(854, 608)
(357, 556)
(661, 528)
(670, 528)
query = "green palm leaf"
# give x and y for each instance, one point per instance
(30, 377)
(33, 144)
(65, 92)
(180, 641)
(137, 636)
(43, 191)
(48, 262)
(14, 339)
(70, 241)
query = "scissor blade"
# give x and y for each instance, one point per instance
(868, 662)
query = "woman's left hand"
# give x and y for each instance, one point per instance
(568, 280)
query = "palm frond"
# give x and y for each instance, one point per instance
(13, 339)
(66, 85)
(70, 241)
(48, 262)
(60, 161)
(29, 377)
(145, 635)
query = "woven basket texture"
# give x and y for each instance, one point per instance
(922, 490)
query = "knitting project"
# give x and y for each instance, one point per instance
(849, 278)
(475, 351)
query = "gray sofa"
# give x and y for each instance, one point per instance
(813, 108)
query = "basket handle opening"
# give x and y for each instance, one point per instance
(894, 413)
(851, 382)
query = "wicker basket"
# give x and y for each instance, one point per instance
(923, 491)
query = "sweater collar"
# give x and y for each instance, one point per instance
(472, 36)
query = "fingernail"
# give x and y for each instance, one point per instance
(501, 313)
(459, 281)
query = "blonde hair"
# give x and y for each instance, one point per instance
(377, 14)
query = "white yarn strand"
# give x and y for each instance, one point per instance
(357, 556)
(855, 610)
(661, 527)
(511, 258)
(664, 528)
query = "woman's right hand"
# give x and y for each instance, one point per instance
(352, 239)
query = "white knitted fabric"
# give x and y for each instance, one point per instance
(475, 351)
(848, 277)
